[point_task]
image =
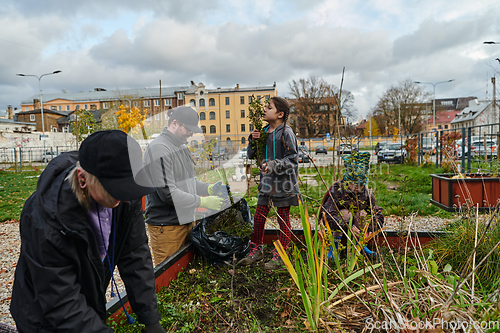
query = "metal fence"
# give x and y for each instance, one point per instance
(20, 158)
(464, 150)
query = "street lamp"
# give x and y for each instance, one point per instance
(40, 96)
(434, 99)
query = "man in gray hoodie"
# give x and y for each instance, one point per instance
(171, 208)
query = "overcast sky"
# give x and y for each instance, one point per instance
(131, 44)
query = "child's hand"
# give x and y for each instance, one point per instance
(255, 134)
(265, 167)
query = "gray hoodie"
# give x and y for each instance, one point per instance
(177, 190)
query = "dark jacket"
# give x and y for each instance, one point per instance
(279, 185)
(177, 190)
(60, 280)
(339, 197)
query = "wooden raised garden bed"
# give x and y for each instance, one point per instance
(451, 194)
(168, 270)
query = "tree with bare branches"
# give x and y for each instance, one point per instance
(316, 106)
(405, 102)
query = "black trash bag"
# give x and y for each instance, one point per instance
(219, 248)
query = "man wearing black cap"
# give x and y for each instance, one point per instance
(84, 218)
(170, 208)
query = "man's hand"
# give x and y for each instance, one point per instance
(154, 328)
(211, 202)
(219, 189)
(255, 134)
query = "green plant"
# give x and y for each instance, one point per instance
(84, 125)
(256, 111)
(309, 276)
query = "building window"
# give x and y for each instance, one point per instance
(445, 126)
(59, 107)
(250, 127)
(77, 107)
(211, 102)
(268, 97)
(32, 117)
(157, 102)
(258, 97)
(228, 114)
(192, 102)
(53, 107)
(202, 102)
(249, 99)
(227, 100)
(202, 116)
(54, 129)
(168, 102)
(86, 107)
(204, 129)
(243, 140)
(242, 113)
(243, 127)
(211, 115)
(242, 99)
(212, 129)
(147, 103)
(439, 127)
(228, 128)
(105, 105)
(180, 96)
(67, 107)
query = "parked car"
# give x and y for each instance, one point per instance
(321, 150)
(345, 148)
(380, 145)
(48, 156)
(219, 152)
(303, 157)
(478, 148)
(198, 154)
(303, 148)
(243, 153)
(392, 153)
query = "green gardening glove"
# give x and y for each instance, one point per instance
(219, 189)
(211, 202)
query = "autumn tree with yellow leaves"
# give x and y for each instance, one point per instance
(129, 119)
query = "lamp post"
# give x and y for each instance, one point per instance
(434, 99)
(41, 102)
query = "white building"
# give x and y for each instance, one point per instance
(479, 112)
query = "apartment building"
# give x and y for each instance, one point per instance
(223, 111)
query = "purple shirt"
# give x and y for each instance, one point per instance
(105, 214)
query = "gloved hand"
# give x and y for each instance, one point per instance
(154, 328)
(219, 189)
(211, 202)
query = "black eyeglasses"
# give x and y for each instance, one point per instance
(185, 127)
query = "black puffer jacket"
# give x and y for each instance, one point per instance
(60, 281)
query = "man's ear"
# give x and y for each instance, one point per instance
(82, 179)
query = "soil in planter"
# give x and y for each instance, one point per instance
(205, 298)
(228, 222)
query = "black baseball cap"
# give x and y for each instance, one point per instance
(187, 116)
(116, 160)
